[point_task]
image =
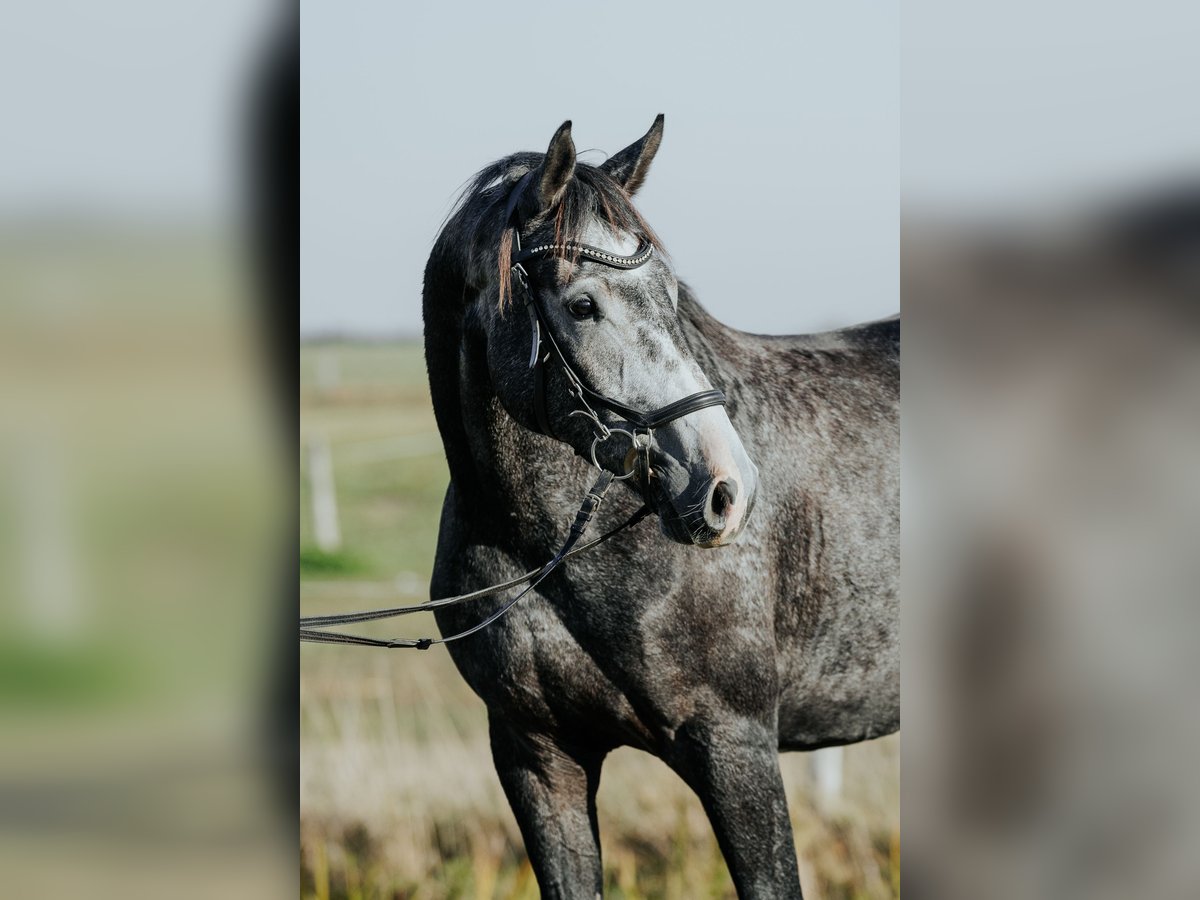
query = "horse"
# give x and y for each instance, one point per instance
(760, 616)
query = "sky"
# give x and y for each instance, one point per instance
(1029, 105)
(786, 154)
(793, 131)
(129, 109)
(775, 190)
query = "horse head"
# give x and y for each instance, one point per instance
(584, 339)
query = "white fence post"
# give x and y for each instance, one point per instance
(324, 500)
(43, 523)
(827, 773)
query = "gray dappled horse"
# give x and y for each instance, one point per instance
(783, 637)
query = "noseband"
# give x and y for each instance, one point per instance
(546, 350)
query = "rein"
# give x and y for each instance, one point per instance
(637, 462)
(591, 502)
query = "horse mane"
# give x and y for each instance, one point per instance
(475, 231)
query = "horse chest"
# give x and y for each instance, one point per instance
(627, 664)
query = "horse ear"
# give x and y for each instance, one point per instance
(556, 170)
(629, 167)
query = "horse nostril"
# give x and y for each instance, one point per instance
(724, 495)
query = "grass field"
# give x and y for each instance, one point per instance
(398, 795)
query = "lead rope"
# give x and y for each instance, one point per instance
(591, 503)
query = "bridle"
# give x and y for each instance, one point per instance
(546, 350)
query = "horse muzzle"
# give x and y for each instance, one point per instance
(707, 511)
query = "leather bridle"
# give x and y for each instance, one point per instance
(546, 349)
(640, 431)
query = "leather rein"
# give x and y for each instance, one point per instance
(545, 350)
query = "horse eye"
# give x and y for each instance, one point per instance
(583, 307)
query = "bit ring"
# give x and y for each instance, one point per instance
(600, 439)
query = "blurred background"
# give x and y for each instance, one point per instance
(1051, 381)
(143, 496)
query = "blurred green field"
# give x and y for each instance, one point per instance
(398, 795)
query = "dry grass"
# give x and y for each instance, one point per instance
(398, 794)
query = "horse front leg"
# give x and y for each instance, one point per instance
(733, 766)
(552, 792)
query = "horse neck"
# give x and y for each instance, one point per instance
(494, 463)
(713, 343)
